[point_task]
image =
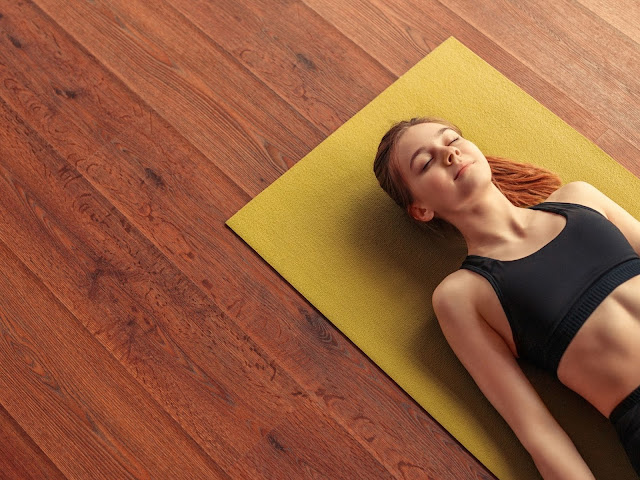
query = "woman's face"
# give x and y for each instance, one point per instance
(440, 167)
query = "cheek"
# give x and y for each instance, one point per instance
(473, 150)
(426, 187)
(436, 184)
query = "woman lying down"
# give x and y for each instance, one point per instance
(552, 275)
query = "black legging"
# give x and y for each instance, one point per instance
(626, 419)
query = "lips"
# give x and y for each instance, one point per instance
(461, 169)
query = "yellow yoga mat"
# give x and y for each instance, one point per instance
(330, 231)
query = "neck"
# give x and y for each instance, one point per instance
(490, 220)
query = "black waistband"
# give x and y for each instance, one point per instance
(585, 305)
(625, 405)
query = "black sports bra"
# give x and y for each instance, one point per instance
(548, 295)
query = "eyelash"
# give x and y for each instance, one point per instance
(427, 164)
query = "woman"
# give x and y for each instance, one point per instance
(555, 283)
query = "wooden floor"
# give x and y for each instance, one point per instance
(139, 336)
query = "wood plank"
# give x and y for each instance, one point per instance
(43, 71)
(289, 451)
(151, 318)
(216, 104)
(390, 33)
(21, 458)
(623, 15)
(74, 399)
(296, 53)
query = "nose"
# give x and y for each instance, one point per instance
(450, 153)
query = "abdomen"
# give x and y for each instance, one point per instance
(602, 363)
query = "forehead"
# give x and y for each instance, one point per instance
(420, 132)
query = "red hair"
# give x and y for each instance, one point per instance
(523, 184)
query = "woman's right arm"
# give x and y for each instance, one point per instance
(488, 359)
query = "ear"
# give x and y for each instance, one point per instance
(421, 213)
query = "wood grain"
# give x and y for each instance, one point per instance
(22, 457)
(311, 67)
(622, 15)
(185, 79)
(91, 424)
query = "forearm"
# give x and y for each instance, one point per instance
(557, 458)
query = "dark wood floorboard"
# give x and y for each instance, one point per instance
(131, 130)
(22, 458)
(74, 400)
(622, 14)
(185, 78)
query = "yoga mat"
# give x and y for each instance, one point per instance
(334, 235)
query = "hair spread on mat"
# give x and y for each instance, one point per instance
(523, 184)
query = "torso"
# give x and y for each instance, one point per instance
(602, 362)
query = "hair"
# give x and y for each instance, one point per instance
(523, 184)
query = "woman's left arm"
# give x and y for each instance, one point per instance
(626, 223)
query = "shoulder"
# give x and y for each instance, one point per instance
(586, 194)
(576, 188)
(459, 284)
(582, 193)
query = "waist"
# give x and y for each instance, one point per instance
(601, 362)
(583, 307)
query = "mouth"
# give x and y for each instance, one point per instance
(464, 167)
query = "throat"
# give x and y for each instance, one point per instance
(537, 236)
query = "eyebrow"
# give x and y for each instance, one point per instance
(421, 149)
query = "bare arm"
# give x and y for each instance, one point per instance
(487, 358)
(559, 459)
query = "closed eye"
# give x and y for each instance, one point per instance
(429, 161)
